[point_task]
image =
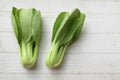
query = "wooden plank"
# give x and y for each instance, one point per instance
(28, 76)
(2, 76)
(57, 5)
(95, 56)
(73, 63)
(94, 23)
(107, 43)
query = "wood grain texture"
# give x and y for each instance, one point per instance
(95, 56)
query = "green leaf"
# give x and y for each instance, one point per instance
(71, 31)
(60, 21)
(36, 26)
(67, 31)
(78, 31)
(14, 22)
(25, 19)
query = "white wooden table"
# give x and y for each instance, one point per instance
(95, 56)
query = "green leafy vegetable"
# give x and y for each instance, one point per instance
(66, 30)
(27, 28)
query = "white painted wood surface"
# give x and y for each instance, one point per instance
(95, 56)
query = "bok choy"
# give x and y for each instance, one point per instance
(66, 30)
(26, 24)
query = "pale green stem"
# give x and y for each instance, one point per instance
(61, 56)
(30, 50)
(23, 52)
(55, 56)
(52, 55)
(48, 58)
(59, 53)
(35, 53)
